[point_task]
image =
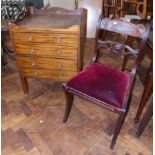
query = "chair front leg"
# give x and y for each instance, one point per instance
(117, 129)
(69, 103)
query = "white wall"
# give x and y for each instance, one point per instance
(67, 4)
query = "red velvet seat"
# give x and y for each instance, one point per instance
(102, 83)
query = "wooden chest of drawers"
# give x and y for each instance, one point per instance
(48, 44)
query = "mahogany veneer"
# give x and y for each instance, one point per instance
(48, 44)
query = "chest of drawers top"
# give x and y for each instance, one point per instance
(57, 19)
(49, 21)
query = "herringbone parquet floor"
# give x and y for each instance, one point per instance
(32, 124)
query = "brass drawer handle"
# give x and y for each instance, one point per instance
(33, 63)
(60, 66)
(58, 40)
(35, 74)
(29, 38)
(32, 50)
(58, 51)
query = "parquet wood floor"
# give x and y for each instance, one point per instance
(32, 124)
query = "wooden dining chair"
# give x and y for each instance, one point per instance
(103, 85)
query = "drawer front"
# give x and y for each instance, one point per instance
(47, 50)
(47, 63)
(39, 73)
(56, 39)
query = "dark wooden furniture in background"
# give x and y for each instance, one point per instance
(129, 6)
(48, 44)
(142, 8)
(146, 118)
(103, 85)
(113, 7)
(148, 86)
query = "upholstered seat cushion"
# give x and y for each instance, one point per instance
(102, 83)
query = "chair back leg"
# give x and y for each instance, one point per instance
(146, 118)
(69, 103)
(148, 88)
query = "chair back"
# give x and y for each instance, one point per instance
(138, 31)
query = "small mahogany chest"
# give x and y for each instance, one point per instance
(48, 44)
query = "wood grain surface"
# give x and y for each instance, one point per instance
(58, 39)
(47, 63)
(48, 50)
(49, 74)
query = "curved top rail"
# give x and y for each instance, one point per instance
(123, 27)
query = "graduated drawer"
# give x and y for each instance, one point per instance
(46, 63)
(56, 39)
(40, 73)
(46, 50)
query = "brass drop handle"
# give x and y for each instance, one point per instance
(32, 50)
(58, 51)
(58, 40)
(33, 63)
(60, 66)
(29, 38)
(35, 74)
